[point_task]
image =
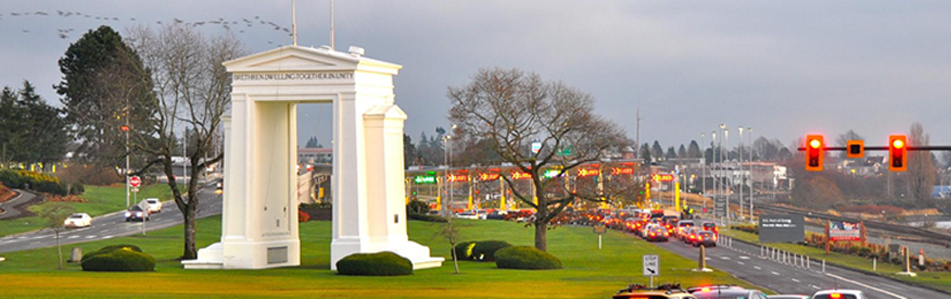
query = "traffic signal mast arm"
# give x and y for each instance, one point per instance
(885, 148)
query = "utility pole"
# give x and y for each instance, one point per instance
(742, 177)
(637, 139)
(751, 171)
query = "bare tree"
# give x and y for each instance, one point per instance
(191, 88)
(843, 139)
(921, 170)
(513, 109)
(53, 215)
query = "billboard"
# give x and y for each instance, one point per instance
(782, 228)
(844, 231)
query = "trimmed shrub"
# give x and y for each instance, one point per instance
(374, 264)
(526, 258)
(302, 217)
(119, 258)
(464, 250)
(37, 181)
(426, 217)
(485, 250)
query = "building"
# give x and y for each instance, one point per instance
(315, 155)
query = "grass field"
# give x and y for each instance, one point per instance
(100, 200)
(588, 272)
(940, 280)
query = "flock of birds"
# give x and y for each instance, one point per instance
(229, 25)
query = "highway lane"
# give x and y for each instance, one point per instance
(113, 225)
(744, 261)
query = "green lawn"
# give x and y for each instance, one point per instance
(588, 272)
(940, 280)
(100, 200)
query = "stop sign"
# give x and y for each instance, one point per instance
(135, 181)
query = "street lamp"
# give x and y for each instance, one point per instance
(448, 140)
(703, 169)
(739, 155)
(727, 188)
(751, 171)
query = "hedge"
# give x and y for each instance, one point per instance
(119, 258)
(486, 250)
(464, 250)
(374, 264)
(426, 217)
(526, 258)
(37, 181)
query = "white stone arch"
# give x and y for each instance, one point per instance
(259, 217)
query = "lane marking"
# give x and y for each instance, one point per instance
(757, 268)
(726, 258)
(743, 257)
(90, 237)
(795, 280)
(107, 237)
(866, 286)
(774, 273)
(814, 286)
(741, 263)
(72, 237)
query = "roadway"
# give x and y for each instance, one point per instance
(113, 225)
(744, 261)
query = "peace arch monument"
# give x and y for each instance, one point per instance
(259, 218)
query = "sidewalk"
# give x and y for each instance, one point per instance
(11, 208)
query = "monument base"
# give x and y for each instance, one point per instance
(247, 255)
(415, 253)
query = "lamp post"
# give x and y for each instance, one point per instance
(751, 171)
(703, 169)
(125, 128)
(726, 137)
(739, 155)
(713, 163)
(448, 140)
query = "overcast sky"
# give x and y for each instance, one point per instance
(785, 68)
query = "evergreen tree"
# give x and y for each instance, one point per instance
(671, 153)
(104, 87)
(682, 152)
(693, 151)
(656, 151)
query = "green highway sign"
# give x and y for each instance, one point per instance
(425, 179)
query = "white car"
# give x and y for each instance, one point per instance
(155, 205)
(78, 220)
(467, 215)
(839, 294)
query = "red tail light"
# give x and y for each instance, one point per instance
(653, 234)
(835, 295)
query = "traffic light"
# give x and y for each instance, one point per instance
(855, 149)
(814, 147)
(897, 153)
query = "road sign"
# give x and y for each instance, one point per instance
(135, 189)
(599, 228)
(651, 265)
(135, 181)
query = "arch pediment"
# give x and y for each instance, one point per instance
(296, 58)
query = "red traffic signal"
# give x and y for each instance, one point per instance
(897, 153)
(814, 147)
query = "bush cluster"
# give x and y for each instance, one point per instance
(750, 228)
(37, 181)
(426, 217)
(525, 258)
(483, 251)
(374, 264)
(118, 258)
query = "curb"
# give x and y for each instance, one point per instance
(19, 194)
(844, 267)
